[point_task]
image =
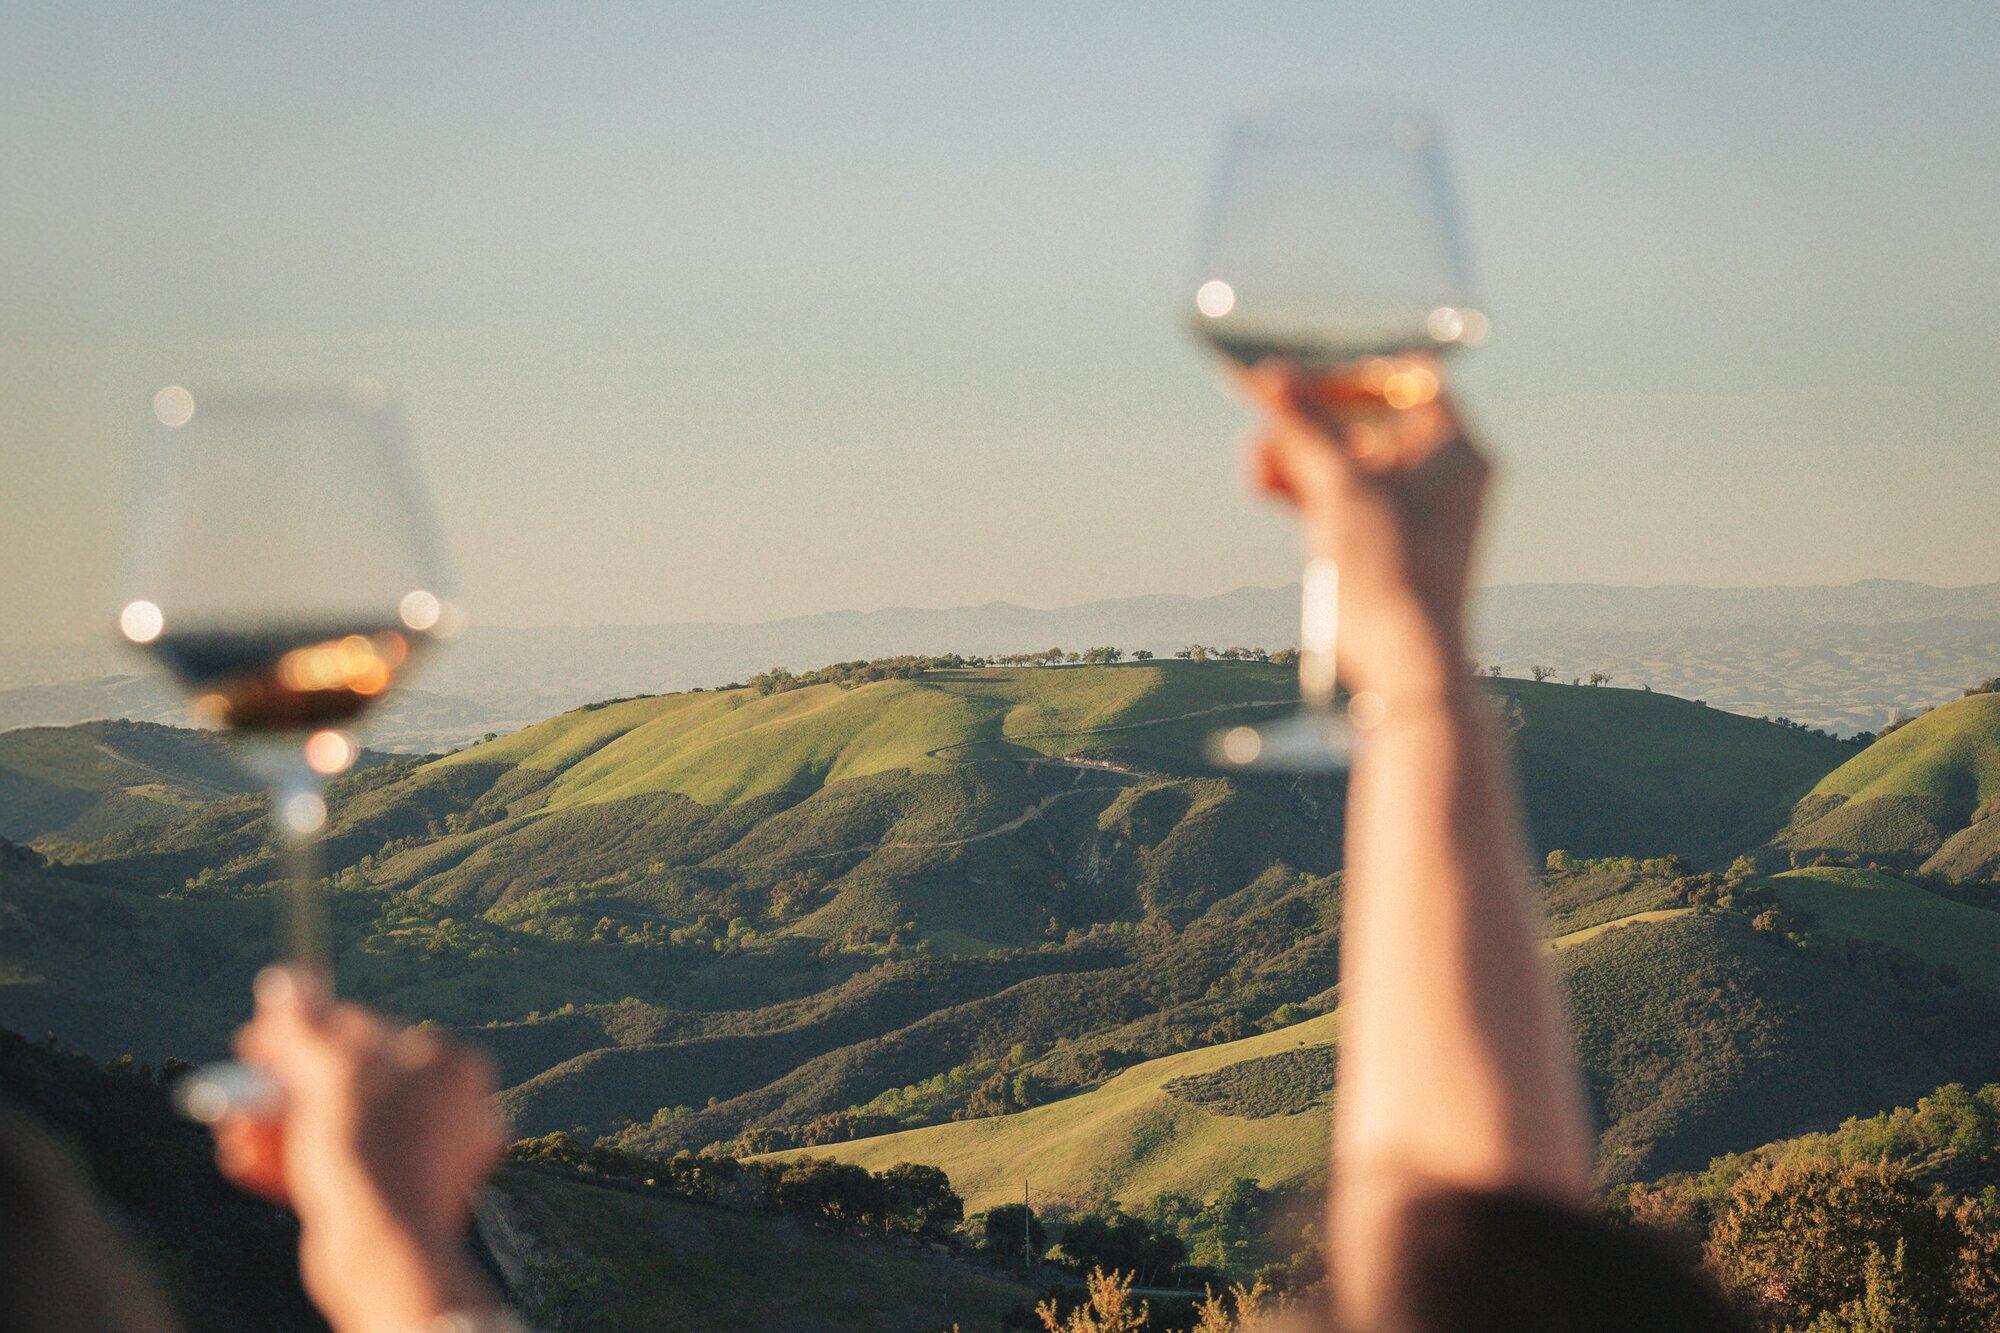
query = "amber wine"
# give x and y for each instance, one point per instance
(286, 678)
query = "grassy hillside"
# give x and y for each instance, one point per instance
(1632, 772)
(1130, 1139)
(1926, 796)
(103, 777)
(643, 1261)
(1864, 904)
(831, 910)
(1657, 773)
(958, 778)
(1699, 1036)
(114, 971)
(730, 746)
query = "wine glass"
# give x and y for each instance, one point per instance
(1332, 244)
(281, 566)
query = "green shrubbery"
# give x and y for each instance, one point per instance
(906, 1199)
(1891, 1221)
(1282, 1084)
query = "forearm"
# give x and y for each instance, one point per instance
(370, 1274)
(379, 1256)
(1456, 1066)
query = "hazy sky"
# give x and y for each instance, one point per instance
(733, 311)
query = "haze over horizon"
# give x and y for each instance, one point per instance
(94, 636)
(810, 310)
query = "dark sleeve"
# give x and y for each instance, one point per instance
(1470, 1262)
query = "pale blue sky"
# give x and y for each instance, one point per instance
(734, 311)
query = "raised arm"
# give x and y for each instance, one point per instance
(1456, 1067)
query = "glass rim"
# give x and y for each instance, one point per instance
(365, 398)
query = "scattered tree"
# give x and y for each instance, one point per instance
(919, 1200)
(1000, 1231)
(1117, 1241)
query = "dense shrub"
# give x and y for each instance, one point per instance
(1116, 1241)
(1868, 1227)
(906, 1199)
(1001, 1231)
(1282, 1084)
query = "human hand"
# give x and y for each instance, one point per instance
(384, 1135)
(1386, 485)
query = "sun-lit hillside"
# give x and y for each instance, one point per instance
(726, 746)
(1952, 753)
(1129, 1139)
(1607, 770)
(1697, 1033)
(689, 918)
(1926, 796)
(1008, 922)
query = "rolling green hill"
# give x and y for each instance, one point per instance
(1008, 922)
(1696, 1032)
(913, 770)
(1636, 773)
(730, 746)
(114, 971)
(836, 910)
(104, 777)
(1925, 797)
(1130, 1139)
(1607, 770)
(1867, 905)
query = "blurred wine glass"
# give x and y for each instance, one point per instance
(282, 567)
(1333, 245)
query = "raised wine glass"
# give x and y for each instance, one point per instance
(281, 565)
(1332, 244)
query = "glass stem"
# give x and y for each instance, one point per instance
(298, 808)
(1319, 632)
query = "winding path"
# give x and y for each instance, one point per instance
(1040, 808)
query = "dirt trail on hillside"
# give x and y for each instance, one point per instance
(1040, 808)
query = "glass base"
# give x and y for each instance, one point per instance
(217, 1091)
(1312, 740)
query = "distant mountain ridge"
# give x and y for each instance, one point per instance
(1610, 607)
(1848, 657)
